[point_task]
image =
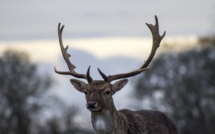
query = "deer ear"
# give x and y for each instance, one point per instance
(79, 85)
(119, 85)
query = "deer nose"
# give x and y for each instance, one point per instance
(92, 104)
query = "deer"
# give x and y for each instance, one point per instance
(99, 96)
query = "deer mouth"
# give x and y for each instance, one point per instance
(94, 109)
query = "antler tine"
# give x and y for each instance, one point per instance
(156, 43)
(65, 54)
(89, 78)
(103, 75)
(66, 57)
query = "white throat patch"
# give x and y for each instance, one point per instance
(100, 124)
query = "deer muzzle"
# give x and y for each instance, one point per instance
(93, 106)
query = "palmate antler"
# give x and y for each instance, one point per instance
(156, 43)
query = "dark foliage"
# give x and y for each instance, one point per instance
(20, 91)
(23, 97)
(183, 85)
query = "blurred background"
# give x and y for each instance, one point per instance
(111, 35)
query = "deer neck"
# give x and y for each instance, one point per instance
(107, 121)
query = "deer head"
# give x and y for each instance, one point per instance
(99, 92)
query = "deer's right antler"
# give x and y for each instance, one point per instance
(66, 56)
(156, 43)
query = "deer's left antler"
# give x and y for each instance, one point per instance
(156, 43)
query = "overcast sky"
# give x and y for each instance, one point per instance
(28, 19)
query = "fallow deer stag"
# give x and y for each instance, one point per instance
(105, 118)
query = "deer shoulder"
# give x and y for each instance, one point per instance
(147, 122)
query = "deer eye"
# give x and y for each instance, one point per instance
(85, 92)
(107, 92)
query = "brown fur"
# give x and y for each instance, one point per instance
(107, 120)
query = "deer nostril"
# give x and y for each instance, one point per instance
(91, 104)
